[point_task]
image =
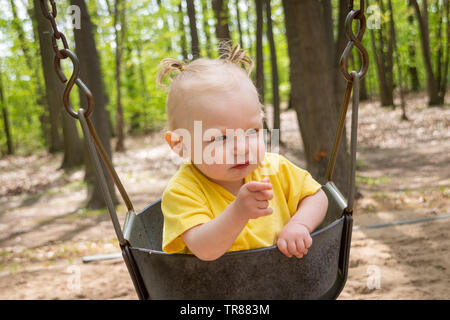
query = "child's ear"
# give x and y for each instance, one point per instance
(175, 142)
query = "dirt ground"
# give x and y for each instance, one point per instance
(403, 173)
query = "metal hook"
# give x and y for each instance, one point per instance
(355, 40)
(74, 79)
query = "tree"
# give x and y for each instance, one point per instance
(5, 118)
(412, 69)
(91, 75)
(206, 27)
(339, 46)
(312, 89)
(119, 14)
(54, 88)
(221, 13)
(383, 55)
(274, 65)
(238, 20)
(195, 48)
(397, 62)
(259, 49)
(55, 141)
(249, 37)
(182, 31)
(436, 81)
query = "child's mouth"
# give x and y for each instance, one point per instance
(241, 166)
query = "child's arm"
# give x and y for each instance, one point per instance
(211, 240)
(294, 238)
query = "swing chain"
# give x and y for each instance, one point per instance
(355, 41)
(90, 133)
(51, 15)
(353, 78)
(61, 54)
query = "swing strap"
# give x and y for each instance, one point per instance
(353, 78)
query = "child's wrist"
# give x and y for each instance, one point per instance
(236, 214)
(301, 224)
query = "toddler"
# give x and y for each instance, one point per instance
(230, 194)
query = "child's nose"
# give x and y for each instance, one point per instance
(241, 145)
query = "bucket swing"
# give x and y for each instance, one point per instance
(263, 273)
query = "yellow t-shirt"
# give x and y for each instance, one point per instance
(191, 199)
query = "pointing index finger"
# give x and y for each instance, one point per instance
(256, 186)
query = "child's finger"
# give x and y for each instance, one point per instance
(282, 246)
(264, 195)
(255, 186)
(300, 246)
(292, 248)
(264, 204)
(308, 242)
(265, 212)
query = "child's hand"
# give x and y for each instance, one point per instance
(294, 240)
(252, 201)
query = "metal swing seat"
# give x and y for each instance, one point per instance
(263, 273)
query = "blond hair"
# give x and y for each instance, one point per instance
(203, 75)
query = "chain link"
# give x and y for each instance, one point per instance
(355, 41)
(351, 77)
(84, 113)
(65, 53)
(51, 16)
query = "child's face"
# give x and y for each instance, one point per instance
(227, 142)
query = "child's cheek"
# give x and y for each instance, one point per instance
(260, 149)
(212, 154)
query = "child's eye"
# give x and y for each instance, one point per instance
(252, 131)
(220, 138)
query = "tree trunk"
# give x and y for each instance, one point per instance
(206, 27)
(274, 65)
(119, 37)
(379, 53)
(195, 48)
(260, 82)
(412, 69)
(238, 18)
(315, 107)
(53, 95)
(90, 73)
(5, 117)
(443, 82)
(328, 23)
(182, 31)
(249, 36)
(73, 155)
(383, 58)
(259, 49)
(432, 85)
(389, 68)
(339, 46)
(44, 117)
(220, 8)
(397, 62)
